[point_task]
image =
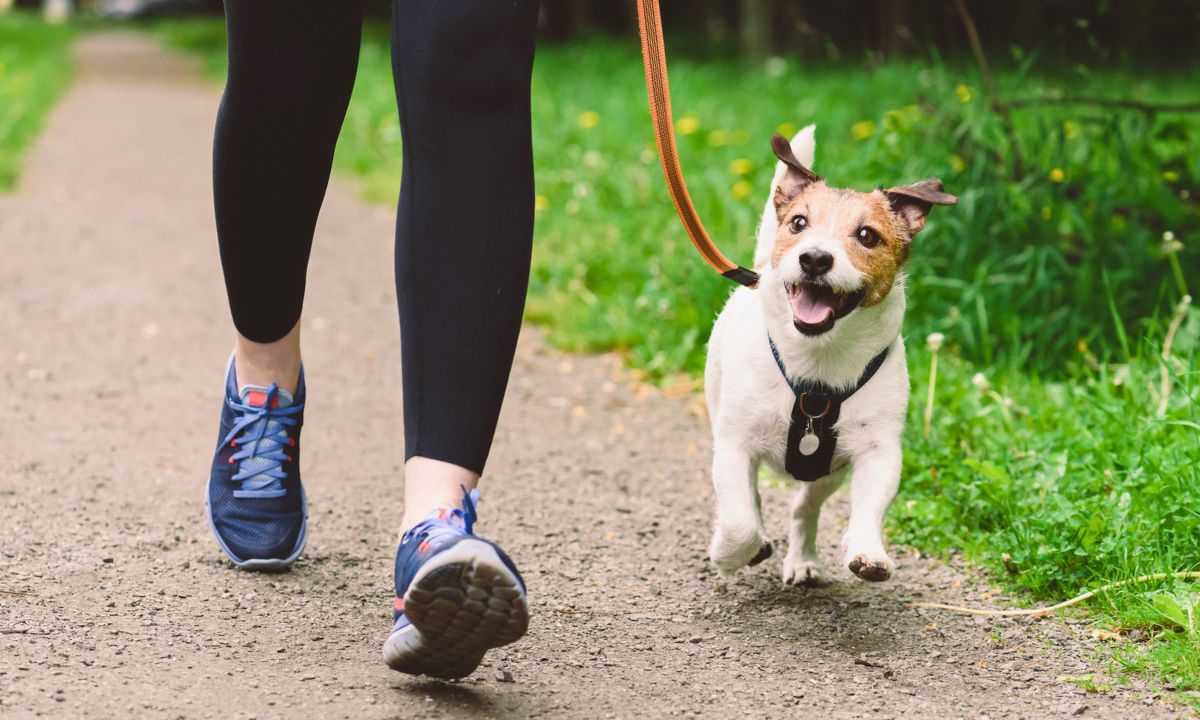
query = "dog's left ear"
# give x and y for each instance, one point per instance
(795, 179)
(913, 202)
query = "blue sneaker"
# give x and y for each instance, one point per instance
(457, 596)
(255, 503)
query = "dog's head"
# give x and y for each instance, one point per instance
(839, 250)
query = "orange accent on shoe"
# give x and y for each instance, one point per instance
(423, 547)
(399, 605)
(258, 398)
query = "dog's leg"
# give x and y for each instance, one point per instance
(738, 538)
(803, 566)
(873, 484)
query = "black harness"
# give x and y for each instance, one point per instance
(812, 436)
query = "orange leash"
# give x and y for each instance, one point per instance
(655, 60)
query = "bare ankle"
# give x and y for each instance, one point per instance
(430, 484)
(276, 362)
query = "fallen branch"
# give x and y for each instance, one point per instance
(603, 613)
(1145, 107)
(1066, 603)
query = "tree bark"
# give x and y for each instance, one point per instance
(756, 28)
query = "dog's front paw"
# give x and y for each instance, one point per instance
(731, 551)
(875, 568)
(801, 570)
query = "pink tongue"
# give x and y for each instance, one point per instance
(811, 308)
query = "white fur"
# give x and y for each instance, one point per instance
(804, 145)
(750, 405)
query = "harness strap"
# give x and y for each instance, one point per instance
(821, 405)
(654, 59)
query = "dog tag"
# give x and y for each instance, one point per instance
(810, 442)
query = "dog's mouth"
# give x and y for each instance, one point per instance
(815, 307)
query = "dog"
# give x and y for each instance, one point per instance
(812, 360)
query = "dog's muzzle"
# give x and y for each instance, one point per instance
(817, 306)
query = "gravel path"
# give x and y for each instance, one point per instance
(115, 601)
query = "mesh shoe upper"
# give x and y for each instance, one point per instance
(255, 498)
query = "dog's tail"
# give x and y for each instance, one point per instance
(804, 145)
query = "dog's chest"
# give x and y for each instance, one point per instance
(770, 425)
(771, 432)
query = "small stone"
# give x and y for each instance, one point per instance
(1080, 710)
(504, 676)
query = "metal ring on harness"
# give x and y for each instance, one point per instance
(828, 405)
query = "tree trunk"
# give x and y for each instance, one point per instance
(756, 27)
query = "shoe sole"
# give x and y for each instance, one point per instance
(464, 602)
(262, 564)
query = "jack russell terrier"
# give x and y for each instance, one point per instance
(806, 373)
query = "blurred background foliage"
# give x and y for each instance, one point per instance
(34, 70)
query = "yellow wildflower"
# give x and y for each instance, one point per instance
(786, 129)
(540, 203)
(964, 93)
(1057, 175)
(688, 124)
(863, 130)
(717, 138)
(740, 189)
(589, 119)
(958, 163)
(741, 166)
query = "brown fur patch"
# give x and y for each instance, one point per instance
(839, 214)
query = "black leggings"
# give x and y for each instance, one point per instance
(464, 226)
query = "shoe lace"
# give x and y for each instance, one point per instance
(436, 525)
(260, 435)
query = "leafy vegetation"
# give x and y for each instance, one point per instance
(1047, 458)
(35, 67)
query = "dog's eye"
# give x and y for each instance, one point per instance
(798, 223)
(867, 237)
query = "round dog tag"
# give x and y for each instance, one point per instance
(809, 444)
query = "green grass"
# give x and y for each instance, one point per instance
(1062, 486)
(1051, 280)
(35, 68)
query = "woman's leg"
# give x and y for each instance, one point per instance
(464, 229)
(291, 70)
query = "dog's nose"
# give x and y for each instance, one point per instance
(815, 262)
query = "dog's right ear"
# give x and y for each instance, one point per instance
(795, 179)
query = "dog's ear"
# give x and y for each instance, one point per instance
(795, 178)
(913, 202)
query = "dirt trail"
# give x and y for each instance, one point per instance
(113, 337)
